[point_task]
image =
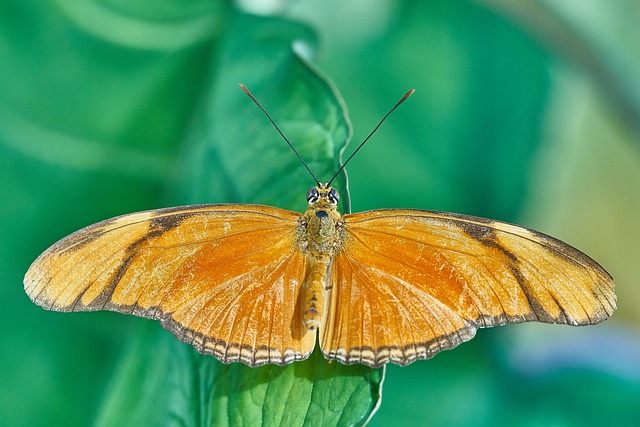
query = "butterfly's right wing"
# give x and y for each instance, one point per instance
(407, 284)
(224, 278)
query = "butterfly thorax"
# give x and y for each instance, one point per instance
(320, 232)
(320, 238)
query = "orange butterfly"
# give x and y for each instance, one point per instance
(256, 284)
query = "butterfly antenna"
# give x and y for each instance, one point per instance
(406, 95)
(244, 88)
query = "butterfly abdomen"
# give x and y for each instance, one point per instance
(314, 297)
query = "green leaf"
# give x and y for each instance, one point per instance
(180, 386)
(234, 154)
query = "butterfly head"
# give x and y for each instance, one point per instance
(323, 195)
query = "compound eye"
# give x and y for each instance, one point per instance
(334, 196)
(312, 195)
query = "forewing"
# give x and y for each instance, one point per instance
(407, 284)
(224, 278)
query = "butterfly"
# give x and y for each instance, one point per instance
(259, 284)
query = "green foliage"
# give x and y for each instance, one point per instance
(163, 381)
(524, 113)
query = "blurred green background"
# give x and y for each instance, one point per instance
(525, 111)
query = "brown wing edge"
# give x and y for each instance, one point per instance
(223, 351)
(405, 355)
(401, 355)
(232, 352)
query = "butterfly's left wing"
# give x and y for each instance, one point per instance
(407, 284)
(224, 278)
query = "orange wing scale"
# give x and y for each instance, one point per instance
(224, 278)
(408, 284)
